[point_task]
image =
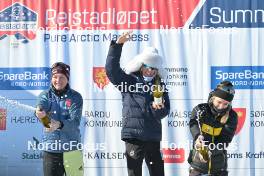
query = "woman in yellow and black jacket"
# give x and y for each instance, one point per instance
(212, 125)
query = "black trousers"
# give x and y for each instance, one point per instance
(137, 150)
(53, 164)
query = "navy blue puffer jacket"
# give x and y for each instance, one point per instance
(140, 120)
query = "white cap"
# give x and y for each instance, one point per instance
(149, 57)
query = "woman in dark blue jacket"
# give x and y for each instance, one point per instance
(64, 107)
(141, 114)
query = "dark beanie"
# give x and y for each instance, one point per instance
(60, 67)
(224, 90)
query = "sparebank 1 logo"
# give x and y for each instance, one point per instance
(242, 77)
(19, 21)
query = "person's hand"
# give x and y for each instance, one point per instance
(201, 158)
(40, 113)
(157, 106)
(124, 37)
(54, 125)
(199, 143)
(198, 157)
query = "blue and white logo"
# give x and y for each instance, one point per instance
(18, 20)
(242, 77)
(30, 78)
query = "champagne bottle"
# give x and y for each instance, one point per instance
(157, 93)
(45, 120)
(204, 152)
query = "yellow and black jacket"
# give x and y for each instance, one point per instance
(204, 121)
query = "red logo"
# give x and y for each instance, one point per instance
(68, 103)
(241, 117)
(173, 155)
(2, 119)
(100, 77)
